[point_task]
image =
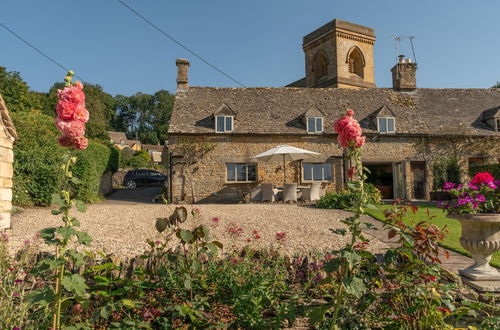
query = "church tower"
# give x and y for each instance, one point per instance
(339, 54)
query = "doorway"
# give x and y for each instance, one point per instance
(381, 176)
(419, 179)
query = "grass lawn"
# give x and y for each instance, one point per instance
(452, 239)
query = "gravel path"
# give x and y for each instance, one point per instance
(123, 228)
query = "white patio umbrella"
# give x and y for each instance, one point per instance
(285, 153)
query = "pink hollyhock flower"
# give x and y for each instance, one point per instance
(349, 132)
(64, 141)
(81, 114)
(72, 94)
(70, 128)
(80, 142)
(351, 172)
(216, 220)
(66, 110)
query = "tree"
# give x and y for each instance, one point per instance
(497, 85)
(15, 91)
(145, 115)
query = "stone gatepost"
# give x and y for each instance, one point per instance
(7, 137)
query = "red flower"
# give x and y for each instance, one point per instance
(428, 278)
(351, 172)
(349, 132)
(483, 177)
(280, 236)
(444, 310)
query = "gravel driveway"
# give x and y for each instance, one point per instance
(122, 228)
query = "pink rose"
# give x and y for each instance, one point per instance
(351, 131)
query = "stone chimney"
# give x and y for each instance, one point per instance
(182, 73)
(404, 75)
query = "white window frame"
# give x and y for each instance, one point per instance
(497, 122)
(316, 131)
(322, 172)
(386, 126)
(225, 130)
(236, 173)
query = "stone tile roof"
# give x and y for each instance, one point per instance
(6, 120)
(153, 147)
(117, 137)
(280, 110)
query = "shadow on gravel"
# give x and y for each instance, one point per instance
(142, 195)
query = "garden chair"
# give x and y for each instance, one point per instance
(268, 192)
(290, 192)
(313, 193)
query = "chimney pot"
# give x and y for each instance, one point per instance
(182, 73)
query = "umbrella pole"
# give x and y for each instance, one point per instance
(284, 171)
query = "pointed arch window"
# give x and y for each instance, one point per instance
(320, 65)
(356, 62)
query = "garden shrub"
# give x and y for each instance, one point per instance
(493, 169)
(445, 171)
(345, 199)
(91, 164)
(139, 159)
(38, 157)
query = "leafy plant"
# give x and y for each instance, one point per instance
(346, 199)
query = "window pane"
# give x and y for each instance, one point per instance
(229, 124)
(317, 172)
(382, 125)
(231, 172)
(327, 171)
(220, 123)
(252, 172)
(153, 173)
(241, 172)
(319, 124)
(307, 168)
(311, 127)
(390, 125)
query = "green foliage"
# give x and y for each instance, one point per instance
(497, 85)
(139, 159)
(346, 199)
(493, 169)
(37, 159)
(145, 115)
(92, 163)
(444, 170)
(15, 91)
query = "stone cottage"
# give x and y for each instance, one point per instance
(7, 137)
(407, 128)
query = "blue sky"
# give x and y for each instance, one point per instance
(257, 42)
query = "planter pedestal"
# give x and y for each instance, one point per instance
(481, 237)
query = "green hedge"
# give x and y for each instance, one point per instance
(493, 169)
(38, 158)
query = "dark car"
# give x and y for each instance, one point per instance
(136, 178)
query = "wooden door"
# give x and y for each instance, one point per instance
(419, 179)
(398, 180)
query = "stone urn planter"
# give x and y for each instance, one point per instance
(481, 237)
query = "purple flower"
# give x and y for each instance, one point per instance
(473, 187)
(460, 186)
(18, 281)
(440, 204)
(492, 185)
(15, 294)
(448, 186)
(474, 205)
(480, 198)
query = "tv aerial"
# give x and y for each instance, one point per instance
(397, 40)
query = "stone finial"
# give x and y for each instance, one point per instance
(182, 73)
(404, 75)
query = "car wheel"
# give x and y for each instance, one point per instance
(131, 184)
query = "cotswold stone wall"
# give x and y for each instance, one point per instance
(6, 174)
(207, 178)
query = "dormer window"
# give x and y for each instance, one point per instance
(315, 125)
(498, 125)
(223, 124)
(386, 124)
